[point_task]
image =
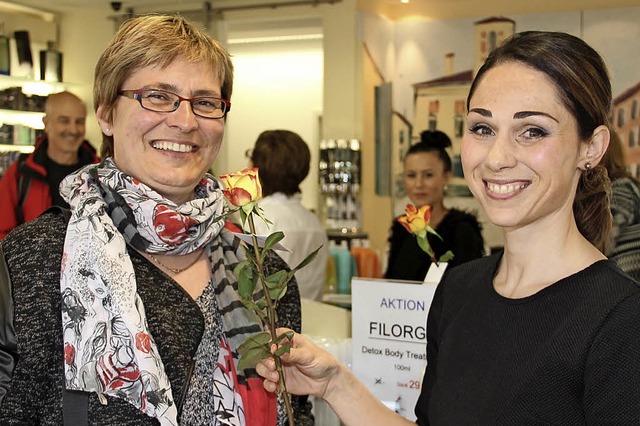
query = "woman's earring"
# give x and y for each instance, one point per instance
(587, 166)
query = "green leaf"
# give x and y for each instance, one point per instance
(262, 339)
(283, 349)
(248, 252)
(254, 349)
(249, 207)
(251, 305)
(262, 304)
(272, 240)
(277, 293)
(307, 260)
(432, 231)
(261, 215)
(239, 266)
(288, 335)
(243, 216)
(276, 280)
(424, 245)
(246, 279)
(447, 256)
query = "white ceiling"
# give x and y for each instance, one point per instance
(454, 9)
(393, 9)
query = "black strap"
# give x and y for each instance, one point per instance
(24, 183)
(75, 406)
(8, 343)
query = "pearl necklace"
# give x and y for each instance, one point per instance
(176, 270)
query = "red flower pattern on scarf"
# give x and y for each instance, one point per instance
(171, 226)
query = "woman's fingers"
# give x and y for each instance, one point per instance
(266, 367)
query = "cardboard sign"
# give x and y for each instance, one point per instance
(389, 340)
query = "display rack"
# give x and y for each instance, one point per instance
(339, 176)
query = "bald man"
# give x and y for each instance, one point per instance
(30, 185)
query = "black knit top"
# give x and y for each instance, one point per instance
(567, 355)
(460, 232)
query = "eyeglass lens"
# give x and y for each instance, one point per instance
(162, 101)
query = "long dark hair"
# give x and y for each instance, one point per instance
(433, 141)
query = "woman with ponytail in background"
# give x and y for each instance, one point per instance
(427, 170)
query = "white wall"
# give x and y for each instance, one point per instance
(83, 37)
(277, 85)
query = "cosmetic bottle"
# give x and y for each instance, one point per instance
(25, 59)
(50, 63)
(5, 57)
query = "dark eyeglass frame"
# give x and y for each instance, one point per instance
(137, 95)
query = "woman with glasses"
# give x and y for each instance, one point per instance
(124, 309)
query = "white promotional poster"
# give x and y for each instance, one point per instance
(389, 339)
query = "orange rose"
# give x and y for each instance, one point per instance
(416, 221)
(243, 187)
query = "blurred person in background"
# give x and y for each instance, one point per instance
(426, 173)
(31, 184)
(283, 158)
(625, 208)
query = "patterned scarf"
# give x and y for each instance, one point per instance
(107, 345)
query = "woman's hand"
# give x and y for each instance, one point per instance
(310, 370)
(307, 368)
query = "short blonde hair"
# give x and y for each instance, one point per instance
(154, 40)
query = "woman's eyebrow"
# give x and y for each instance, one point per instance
(483, 112)
(525, 114)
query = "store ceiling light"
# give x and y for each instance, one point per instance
(272, 39)
(28, 10)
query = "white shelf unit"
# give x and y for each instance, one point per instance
(29, 119)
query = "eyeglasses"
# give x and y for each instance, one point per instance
(163, 101)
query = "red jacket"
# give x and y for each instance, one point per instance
(38, 197)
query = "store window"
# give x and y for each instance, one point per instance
(458, 119)
(493, 41)
(620, 120)
(434, 107)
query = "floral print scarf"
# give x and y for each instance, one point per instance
(107, 345)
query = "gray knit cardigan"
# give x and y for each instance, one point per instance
(33, 255)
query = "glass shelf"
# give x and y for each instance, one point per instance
(31, 86)
(23, 118)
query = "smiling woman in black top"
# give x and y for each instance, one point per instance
(547, 331)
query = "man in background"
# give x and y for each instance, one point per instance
(30, 184)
